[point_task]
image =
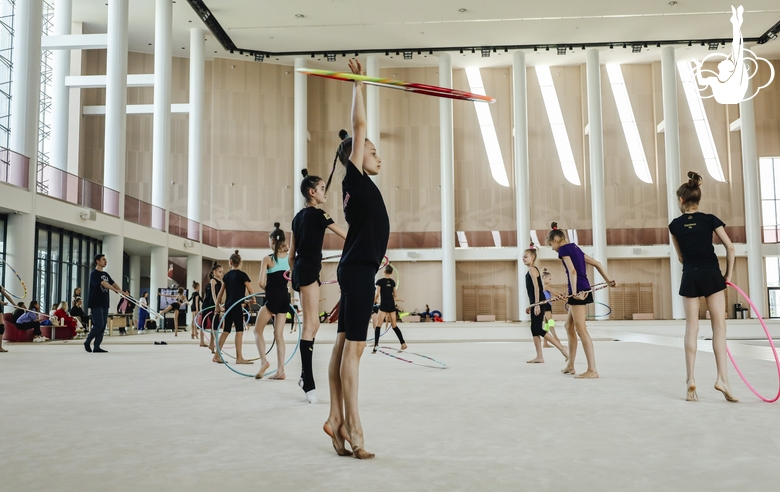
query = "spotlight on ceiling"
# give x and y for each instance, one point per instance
(712, 46)
(636, 48)
(408, 55)
(561, 50)
(331, 57)
(259, 57)
(485, 52)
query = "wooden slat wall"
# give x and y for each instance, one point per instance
(484, 299)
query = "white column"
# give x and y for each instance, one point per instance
(596, 144)
(522, 180)
(158, 276)
(24, 130)
(372, 109)
(300, 130)
(448, 272)
(116, 100)
(161, 137)
(756, 283)
(672, 144)
(63, 16)
(113, 248)
(194, 274)
(197, 78)
(135, 276)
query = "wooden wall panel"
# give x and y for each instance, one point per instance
(488, 273)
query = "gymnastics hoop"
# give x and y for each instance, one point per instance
(288, 275)
(137, 303)
(609, 310)
(771, 344)
(219, 351)
(439, 364)
(427, 90)
(243, 340)
(24, 286)
(593, 288)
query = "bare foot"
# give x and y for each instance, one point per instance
(264, 367)
(692, 396)
(587, 375)
(538, 360)
(568, 370)
(279, 375)
(244, 361)
(403, 346)
(547, 345)
(217, 359)
(726, 390)
(565, 353)
(358, 451)
(203, 345)
(2, 350)
(338, 441)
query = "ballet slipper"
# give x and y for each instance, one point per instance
(726, 392)
(692, 396)
(587, 375)
(341, 450)
(358, 452)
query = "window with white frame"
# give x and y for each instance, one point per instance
(769, 179)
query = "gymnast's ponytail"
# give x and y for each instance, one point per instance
(278, 238)
(342, 154)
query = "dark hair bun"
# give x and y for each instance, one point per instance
(343, 135)
(276, 225)
(694, 178)
(554, 225)
(215, 264)
(305, 172)
(236, 251)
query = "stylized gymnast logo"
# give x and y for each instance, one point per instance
(730, 84)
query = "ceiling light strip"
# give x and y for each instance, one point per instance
(630, 129)
(561, 137)
(489, 137)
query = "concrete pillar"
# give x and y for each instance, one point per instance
(752, 193)
(300, 131)
(596, 144)
(194, 274)
(24, 131)
(63, 16)
(135, 276)
(197, 80)
(372, 109)
(113, 248)
(448, 272)
(673, 178)
(158, 277)
(161, 136)
(522, 180)
(116, 100)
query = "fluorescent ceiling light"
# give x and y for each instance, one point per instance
(630, 129)
(557, 125)
(489, 137)
(700, 122)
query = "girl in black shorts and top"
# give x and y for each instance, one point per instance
(364, 248)
(385, 294)
(692, 239)
(235, 285)
(575, 263)
(195, 306)
(178, 300)
(305, 257)
(210, 313)
(277, 301)
(535, 289)
(549, 322)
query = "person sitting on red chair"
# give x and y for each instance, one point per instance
(65, 319)
(30, 320)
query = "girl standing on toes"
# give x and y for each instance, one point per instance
(692, 239)
(364, 248)
(210, 312)
(575, 261)
(549, 322)
(385, 294)
(195, 306)
(277, 301)
(234, 287)
(305, 257)
(534, 287)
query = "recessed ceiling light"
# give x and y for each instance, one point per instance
(299, 16)
(459, 10)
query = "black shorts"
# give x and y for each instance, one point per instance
(357, 300)
(701, 281)
(573, 301)
(303, 275)
(277, 301)
(176, 306)
(547, 307)
(537, 324)
(387, 308)
(235, 318)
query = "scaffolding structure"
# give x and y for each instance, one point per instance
(44, 119)
(7, 8)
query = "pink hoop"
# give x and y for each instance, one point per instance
(771, 344)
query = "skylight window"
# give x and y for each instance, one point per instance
(561, 137)
(630, 130)
(700, 122)
(489, 137)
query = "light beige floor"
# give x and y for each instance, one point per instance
(146, 417)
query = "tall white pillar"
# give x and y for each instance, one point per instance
(197, 78)
(596, 144)
(116, 100)
(448, 272)
(522, 180)
(158, 276)
(194, 274)
(161, 136)
(372, 109)
(300, 131)
(756, 283)
(114, 248)
(135, 280)
(63, 16)
(24, 130)
(673, 180)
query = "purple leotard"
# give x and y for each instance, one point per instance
(578, 260)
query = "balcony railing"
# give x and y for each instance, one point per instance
(183, 227)
(210, 236)
(62, 185)
(14, 169)
(145, 214)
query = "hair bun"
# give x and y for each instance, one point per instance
(694, 178)
(343, 135)
(214, 265)
(305, 172)
(544, 270)
(276, 225)
(236, 251)
(554, 226)
(532, 245)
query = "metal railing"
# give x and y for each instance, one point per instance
(14, 169)
(143, 213)
(183, 227)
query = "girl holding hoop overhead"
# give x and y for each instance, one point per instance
(209, 314)
(277, 301)
(385, 294)
(364, 249)
(535, 289)
(692, 239)
(305, 258)
(575, 262)
(234, 287)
